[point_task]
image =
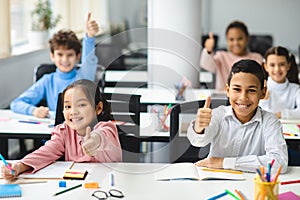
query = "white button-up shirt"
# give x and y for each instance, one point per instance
(243, 146)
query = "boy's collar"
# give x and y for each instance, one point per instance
(66, 75)
(257, 116)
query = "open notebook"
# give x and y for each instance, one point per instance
(54, 171)
(189, 171)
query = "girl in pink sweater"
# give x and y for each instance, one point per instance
(221, 61)
(83, 109)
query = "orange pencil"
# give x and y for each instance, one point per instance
(277, 173)
(240, 194)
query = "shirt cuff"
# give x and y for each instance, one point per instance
(229, 163)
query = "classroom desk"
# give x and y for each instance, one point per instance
(10, 127)
(137, 181)
(165, 96)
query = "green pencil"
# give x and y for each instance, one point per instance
(231, 194)
(66, 190)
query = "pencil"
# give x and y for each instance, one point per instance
(218, 196)
(231, 194)
(277, 173)
(66, 190)
(240, 194)
(289, 182)
(222, 170)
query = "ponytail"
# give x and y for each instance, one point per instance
(293, 72)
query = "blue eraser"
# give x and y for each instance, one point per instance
(62, 184)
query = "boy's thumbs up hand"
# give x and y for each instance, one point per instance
(203, 117)
(91, 142)
(210, 42)
(91, 26)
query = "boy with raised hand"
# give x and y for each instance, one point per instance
(243, 136)
(65, 52)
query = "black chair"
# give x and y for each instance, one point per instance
(110, 56)
(180, 148)
(126, 113)
(260, 43)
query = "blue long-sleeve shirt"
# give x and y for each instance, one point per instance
(50, 85)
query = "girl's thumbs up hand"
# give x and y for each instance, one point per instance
(203, 117)
(210, 43)
(91, 142)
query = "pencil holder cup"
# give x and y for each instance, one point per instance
(161, 118)
(265, 190)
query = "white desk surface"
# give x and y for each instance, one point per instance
(137, 182)
(164, 95)
(126, 76)
(9, 123)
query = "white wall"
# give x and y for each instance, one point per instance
(276, 17)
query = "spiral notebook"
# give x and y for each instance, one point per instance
(10, 190)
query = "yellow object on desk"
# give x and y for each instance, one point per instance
(75, 174)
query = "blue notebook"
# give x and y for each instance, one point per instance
(10, 190)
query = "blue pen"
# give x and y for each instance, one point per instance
(218, 196)
(29, 122)
(6, 164)
(112, 179)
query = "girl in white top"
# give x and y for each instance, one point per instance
(283, 91)
(243, 136)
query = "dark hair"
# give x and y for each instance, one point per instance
(248, 66)
(292, 74)
(66, 39)
(94, 96)
(238, 24)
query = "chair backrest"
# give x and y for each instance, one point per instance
(181, 115)
(260, 43)
(41, 70)
(38, 72)
(110, 56)
(126, 113)
(59, 117)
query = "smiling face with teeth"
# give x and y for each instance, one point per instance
(244, 93)
(65, 59)
(78, 111)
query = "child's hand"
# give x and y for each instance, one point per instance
(91, 26)
(41, 112)
(278, 115)
(203, 117)
(7, 173)
(211, 162)
(91, 143)
(210, 43)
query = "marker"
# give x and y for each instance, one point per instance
(66, 190)
(29, 122)
(6, 164)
